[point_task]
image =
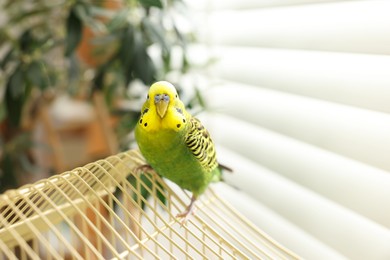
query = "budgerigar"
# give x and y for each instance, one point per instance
(175, 144)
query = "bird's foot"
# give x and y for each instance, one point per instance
(144, 168)
(190, 210)
(186, 215)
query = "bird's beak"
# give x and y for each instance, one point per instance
(161, 105)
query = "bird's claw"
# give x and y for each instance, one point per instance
(185, 216)
(144, 168)
(190, 210)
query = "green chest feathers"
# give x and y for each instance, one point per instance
(170, 155)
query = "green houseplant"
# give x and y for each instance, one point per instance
(47, 47)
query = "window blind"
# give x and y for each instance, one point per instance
(299, 98)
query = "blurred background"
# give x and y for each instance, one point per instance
(74, 75)
(296, 94)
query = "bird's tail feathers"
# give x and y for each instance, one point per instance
(225, 168)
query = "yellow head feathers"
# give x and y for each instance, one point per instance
(163, 109)
(162, 87)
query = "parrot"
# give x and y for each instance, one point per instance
(175, 144)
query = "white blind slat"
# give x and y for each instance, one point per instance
(347, 26)
(304, 88)
(245, 4)
(279, 228)
(335, 177)
(354, 132)
(352, 235)
(352, 79)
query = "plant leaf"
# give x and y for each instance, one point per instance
(118, 21)
(161, 196)
(16, 83)
(73, 32)
(15, 95)
(146, 183)
(26, 41)
(7, 176)
(155, 32)
(36, 75)
(199, 97)
(126, 53)
(27, 14)
(143, 65)
(7, 58)
(150, 3)
(3, 114)
(98, 81)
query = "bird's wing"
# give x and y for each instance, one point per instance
(200, 144)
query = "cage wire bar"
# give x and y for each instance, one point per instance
(95, 212)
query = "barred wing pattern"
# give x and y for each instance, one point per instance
(199, 142)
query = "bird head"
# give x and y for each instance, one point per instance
(162, 94)
(163, 109)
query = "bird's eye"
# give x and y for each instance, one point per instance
(147, 97)
(176, 95)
